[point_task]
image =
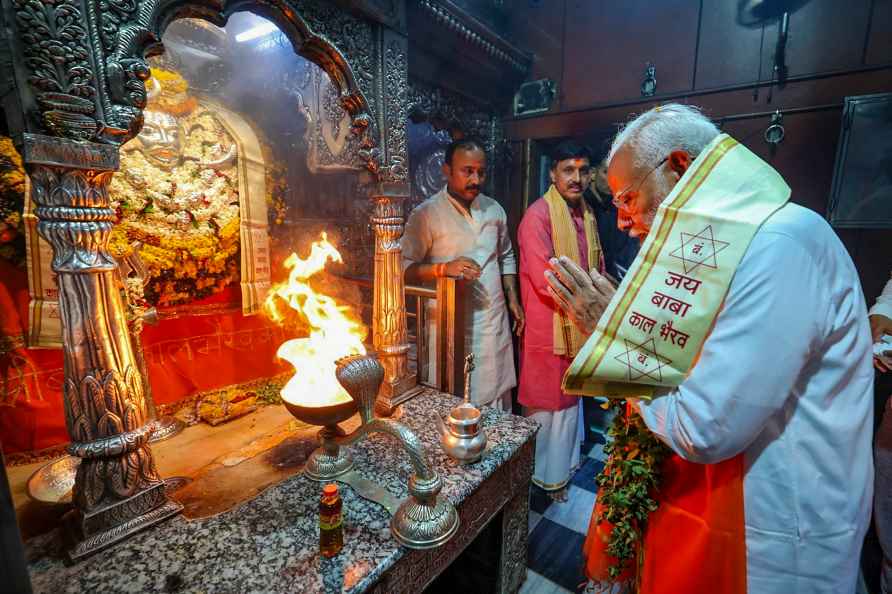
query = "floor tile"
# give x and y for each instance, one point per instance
(539, 500)
(576, 512)
(555, 552)
(533, 520)
(585, 476)
(537, 584)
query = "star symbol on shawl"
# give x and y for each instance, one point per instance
(643, 360)
(699, 249)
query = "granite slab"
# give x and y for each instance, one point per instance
(270, 543)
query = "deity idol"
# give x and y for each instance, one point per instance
(177, 193)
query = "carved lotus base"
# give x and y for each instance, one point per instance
(424, 520)
(324, 467)
(88, 533)
(419, 526)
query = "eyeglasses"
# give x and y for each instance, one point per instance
(623, 199)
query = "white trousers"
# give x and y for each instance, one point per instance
(502, 402)
(557, 445)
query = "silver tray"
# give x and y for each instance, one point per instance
(53, 482)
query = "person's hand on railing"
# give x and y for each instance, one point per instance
(462, 267)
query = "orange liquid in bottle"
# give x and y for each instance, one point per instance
(331, 521)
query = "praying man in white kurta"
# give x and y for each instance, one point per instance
(461, 233)
(768, 487)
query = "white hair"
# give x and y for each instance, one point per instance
(665, 128)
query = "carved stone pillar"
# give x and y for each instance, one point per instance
(389, 309)
(117, 490)
(390, 338)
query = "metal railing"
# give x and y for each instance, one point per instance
(449, 321)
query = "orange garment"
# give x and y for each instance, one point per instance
(695, 541)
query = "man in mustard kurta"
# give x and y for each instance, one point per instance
(560, 223)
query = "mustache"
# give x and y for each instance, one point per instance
(472, 187)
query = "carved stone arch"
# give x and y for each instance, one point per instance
(446, 110)
(318, 49)
(128, 45)
(449, 111)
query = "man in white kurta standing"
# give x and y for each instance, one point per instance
(783, 382)
(461, 233)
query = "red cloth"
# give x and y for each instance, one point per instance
(695, 541)
(199, 353)
(31, 415)
(184, 355)
(541, 371)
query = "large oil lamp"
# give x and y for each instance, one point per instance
(425, 519)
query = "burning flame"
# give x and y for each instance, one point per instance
(333, 332)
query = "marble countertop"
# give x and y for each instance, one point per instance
(270, 543)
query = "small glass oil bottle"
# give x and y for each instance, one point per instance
(331, 521)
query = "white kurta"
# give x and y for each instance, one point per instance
(558, 445)
(883, 306)
(438, 231)
(786, 379)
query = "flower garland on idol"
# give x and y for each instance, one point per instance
(12, 202)
(177, 194)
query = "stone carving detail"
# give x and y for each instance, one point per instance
(126, 35)
(428, 178)
(345, 47)
(418, 570)
(156, 513)
(58, 47)
(447, 110)
(47, 150)
(490, 43)
(118, 465)
(117, 489)
(335, 144)
(388, 222)
(74, 216)
(129, 30)
(389, 308)
(515, 522)
(54, 40)
(396, 109)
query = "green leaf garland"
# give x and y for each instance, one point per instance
(627, 485)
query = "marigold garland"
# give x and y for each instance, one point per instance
(12, 202)
(174, 98)
(187, 218)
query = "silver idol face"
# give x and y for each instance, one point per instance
(160, 139)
